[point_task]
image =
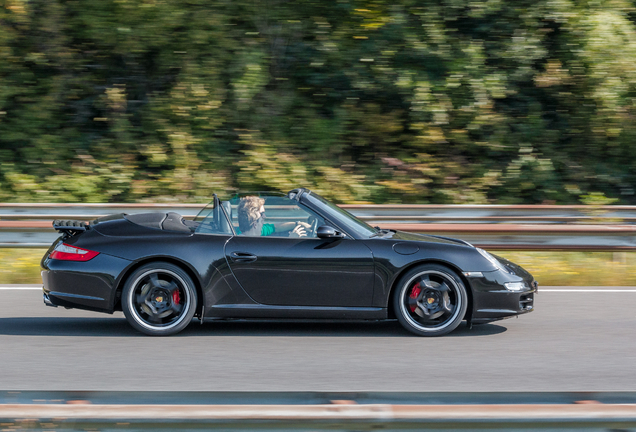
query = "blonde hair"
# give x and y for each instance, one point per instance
(248, 212)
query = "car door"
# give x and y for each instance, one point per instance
(303, 271)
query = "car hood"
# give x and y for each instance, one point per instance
(513, 268)
(402, 235)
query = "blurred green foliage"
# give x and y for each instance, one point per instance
(452, 101)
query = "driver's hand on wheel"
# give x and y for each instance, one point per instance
(298, 231)
(303, 224)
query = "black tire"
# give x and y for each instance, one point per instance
(159, 299)
(430, 300)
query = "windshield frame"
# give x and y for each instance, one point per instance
(353, 226)
(214, 210)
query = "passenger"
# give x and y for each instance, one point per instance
(251, 219)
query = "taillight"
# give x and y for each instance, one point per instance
(66, 252)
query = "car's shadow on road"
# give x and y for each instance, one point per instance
(118, 327)
(324, 329)
(56, 326)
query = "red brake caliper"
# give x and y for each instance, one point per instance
(176, 298)
(415, 292)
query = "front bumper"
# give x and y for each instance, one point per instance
(492, 301)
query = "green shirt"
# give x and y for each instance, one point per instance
(267, 230)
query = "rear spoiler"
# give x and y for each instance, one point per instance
(70, 227)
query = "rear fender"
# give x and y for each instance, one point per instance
(121, 281)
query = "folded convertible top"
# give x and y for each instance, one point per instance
(164, 221)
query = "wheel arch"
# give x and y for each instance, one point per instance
(179, 263)
(402, 272)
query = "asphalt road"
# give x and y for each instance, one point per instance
(577, 340)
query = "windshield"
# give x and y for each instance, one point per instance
(348, 222)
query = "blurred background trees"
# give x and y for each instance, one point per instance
(455, 101)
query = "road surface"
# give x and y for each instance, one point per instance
(577, 339)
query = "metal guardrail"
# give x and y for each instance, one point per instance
(425, 213)
(317, 411)
(540, 227)
(318, 417)
(98, 397)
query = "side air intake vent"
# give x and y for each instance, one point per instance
(526, 302)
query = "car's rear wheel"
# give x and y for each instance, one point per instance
(430, 300)
(159, 299)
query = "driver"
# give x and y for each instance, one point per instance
(251, 219)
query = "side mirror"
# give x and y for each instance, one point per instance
(325, 231)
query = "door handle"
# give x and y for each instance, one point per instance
(242, 257)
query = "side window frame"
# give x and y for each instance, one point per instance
(215, 216)
(227, 218)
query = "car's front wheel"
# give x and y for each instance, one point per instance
(159, 299)
(430, 300)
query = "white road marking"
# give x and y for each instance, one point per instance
(20, 287)
(588, 290)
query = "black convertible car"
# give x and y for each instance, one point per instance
(276, 256)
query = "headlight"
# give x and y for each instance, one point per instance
(515, 286)
(494, 261)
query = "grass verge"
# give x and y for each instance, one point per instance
(577, 268)
(22, 266)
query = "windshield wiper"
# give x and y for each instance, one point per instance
(380, 232)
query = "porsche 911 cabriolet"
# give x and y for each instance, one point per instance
(276, 256)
